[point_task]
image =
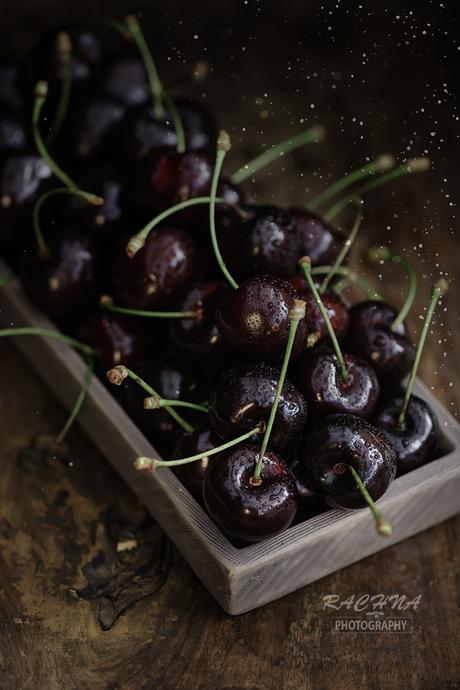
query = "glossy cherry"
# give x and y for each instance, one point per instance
(92, 127)
(370, 336)
(159, 272)
(13, 132)
(117, 339)
(341, 440)
(124, 78)
(192, 475)
(200, 338)
(254, 319)
(311, 502)
(318, 376)
(244, 396)
(264, 241)
(416, 439)
(319, 240)
(23, 178)
(244, 510)
(67, 278)
(335, 306)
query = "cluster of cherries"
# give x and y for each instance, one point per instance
(222, 321)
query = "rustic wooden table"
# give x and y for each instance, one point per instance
(80, 611)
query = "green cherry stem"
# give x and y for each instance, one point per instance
(45, 332)
(156, 87)
(439, 289)
(106, 302)
(4, 280)
(349, 276)
(412, 166)
(143, 463)
(119, 373)
(177, 122)
(384, 254)
(305, 265)
(137, 241)
(343, 253)
(379, 165)
(223, 146)
(155, 402)
(90, 198)
(64, 51)
(296, 314)
(79, 401)
(313, 135)
(383, 527)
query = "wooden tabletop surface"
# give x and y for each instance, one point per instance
(80, 611)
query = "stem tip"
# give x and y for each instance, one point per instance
(223, 141)
(378, 254)
(152, 402)
(117, 375)
(419, 164)
(384, 527)
(297, 313)
(41, 89)
(142, 464)
(64, 44)
(134, 245)
(442, 285)
(200, 70)
(384, 162)
(318, 132)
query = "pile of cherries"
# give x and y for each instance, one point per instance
(221, 321)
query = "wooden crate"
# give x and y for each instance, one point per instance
(239, 578)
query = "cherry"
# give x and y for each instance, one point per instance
(371, 337)
(13, 133)
(11, 86)
(311, 502)
(124, 78)
(254, 319)
(318, 239)
(245, 510)
(266, 241)
(244, 396)
(192, 474)
(66, 278)
(169, 261)
(115, 338)
(199, 337)
(336, 308)
(23, 178)
(319, 377)
(92, 127)
(416, 439)
(338, 443)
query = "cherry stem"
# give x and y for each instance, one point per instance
(349, 275)
(87, 196)
(4, 280)
(305, 265)
(384, 254)
(383, 527)
(106, 302)
(223, 146)
(156, 87)
(381, 164)
(41, 92)
(154, 402)
(413, 165)
(313, 135)
(137, 241)
(177, 122)
(119, 373)
(144, 463)
(117, 26)
(439, 289)
(343, 253)
(296, 314)
(197, 74)
(45, 332)
(64, 50)
(79, 401)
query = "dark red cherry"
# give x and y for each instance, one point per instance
(172, 379)
(311, 502)
(164, 178)
(266, 241)
(67, 280)
(125, 79)
(117, 339)
(13, 132)
(92, 127)
(254, 319)
(11, 86)
(245, 511)
(371, 338)
(143, 132)
(169, 261)
(319, 240)
(244, 396)
(192, 475)
(336, 308)
(341, 440)
(23, 178)
(318, 376)
(200, 338)
(416, 440)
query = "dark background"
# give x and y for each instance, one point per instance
(381, 77)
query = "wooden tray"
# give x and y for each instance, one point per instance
(239, 578)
